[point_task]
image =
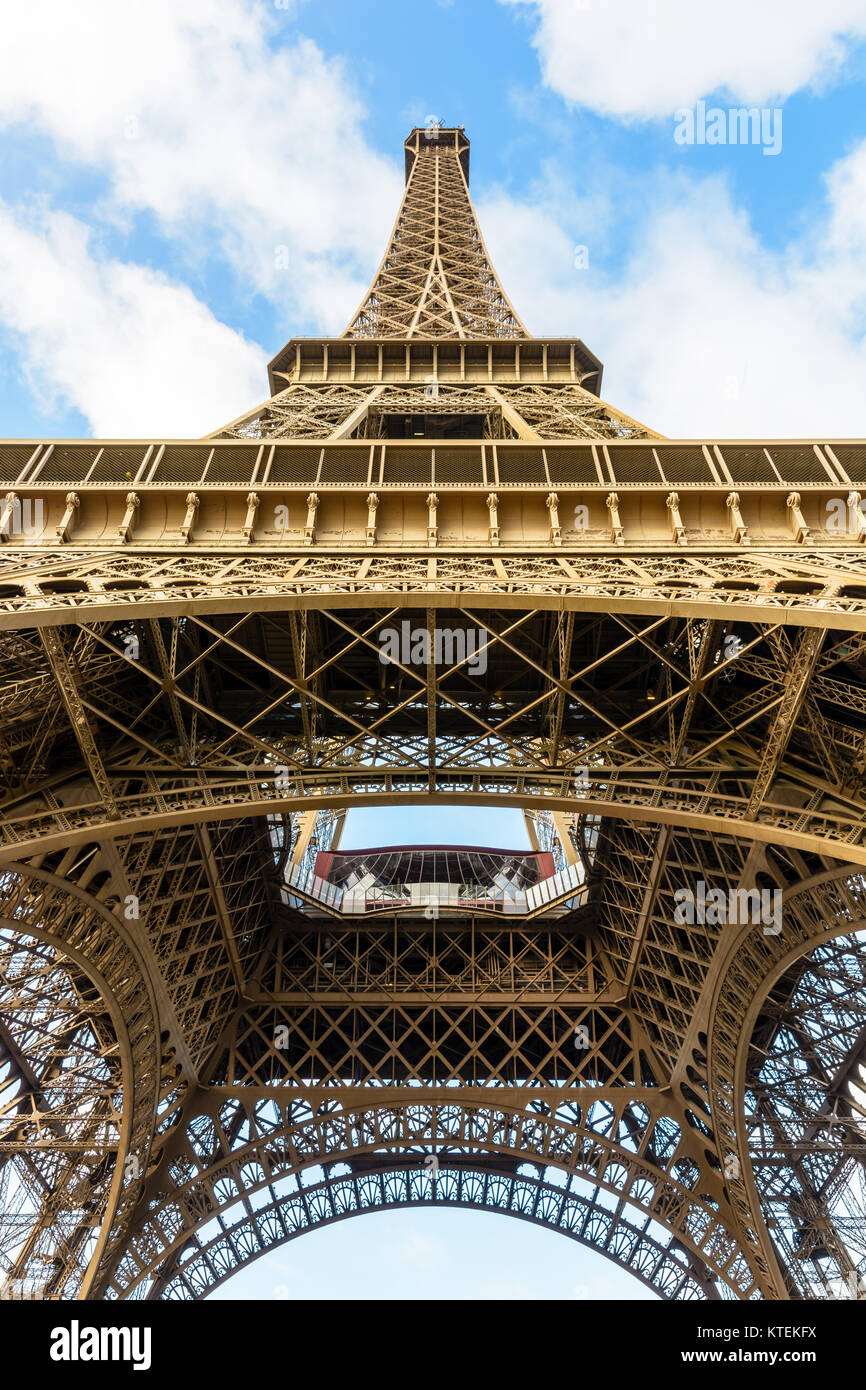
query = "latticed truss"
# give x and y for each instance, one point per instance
(805, 1109)
(436, 279)
(655, 650)
(503, 412)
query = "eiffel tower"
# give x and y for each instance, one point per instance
(433, 567)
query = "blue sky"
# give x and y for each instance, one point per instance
(156, 153)
(430, 1254)
(161, 159)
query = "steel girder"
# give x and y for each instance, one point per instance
(195, 1065)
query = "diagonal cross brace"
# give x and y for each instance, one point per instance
(797, 677)
(56, 653)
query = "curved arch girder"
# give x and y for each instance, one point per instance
(805, 1090)
(741, 586)
(813, 831)
(814, 913)
(100, 1119)
(630, 1244)
(240, 1149)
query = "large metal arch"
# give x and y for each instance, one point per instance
(819, 1216)
(395, 1188)
(498, 1129)
(737, 1006)
(558, 594)
(34, 904)
(774, 824)
(109, 1199)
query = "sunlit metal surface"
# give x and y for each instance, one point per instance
(434, 567)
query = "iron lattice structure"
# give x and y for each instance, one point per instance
(202, 1055)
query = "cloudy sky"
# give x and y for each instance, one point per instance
(185, 184)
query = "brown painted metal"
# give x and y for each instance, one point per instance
(192, 696)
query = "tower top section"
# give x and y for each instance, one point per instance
(443, 137)
(435, 349)
(436, 279)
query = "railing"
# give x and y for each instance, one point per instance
(433, 898)
(310, 885)
(559, 886)
(217, 464)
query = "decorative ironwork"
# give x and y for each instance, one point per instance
(655, 649)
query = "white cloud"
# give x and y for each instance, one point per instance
(138, 356)
(641, 59)
(237, 141)
(705, 331)
(238, 146)
(419, 1250)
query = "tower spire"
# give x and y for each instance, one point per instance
(436, 279)
(435, 348)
